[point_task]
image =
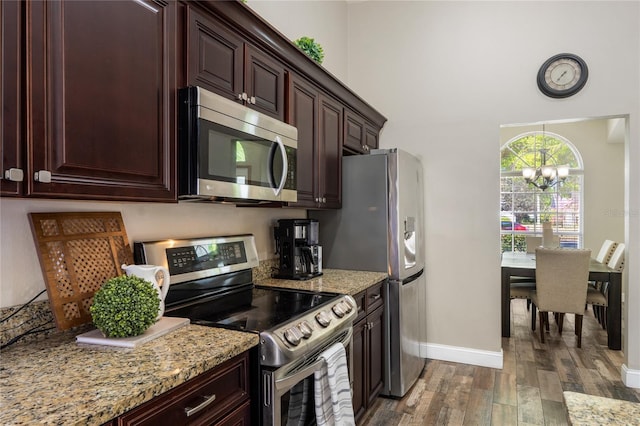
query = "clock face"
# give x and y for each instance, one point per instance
(562, 75)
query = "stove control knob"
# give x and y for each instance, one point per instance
(292, 335)
(306, 329)
(347, 306)
(338, 309)
(323, 318)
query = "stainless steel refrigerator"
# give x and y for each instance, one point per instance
(381, 228)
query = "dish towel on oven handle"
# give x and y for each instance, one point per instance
(332, 389)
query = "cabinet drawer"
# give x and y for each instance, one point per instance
(227, 384)
(374, 296)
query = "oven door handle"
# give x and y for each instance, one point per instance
(288, 381)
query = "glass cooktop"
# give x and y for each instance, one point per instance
(258, 309)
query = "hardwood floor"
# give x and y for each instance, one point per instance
(528, 389)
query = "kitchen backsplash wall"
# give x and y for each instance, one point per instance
(21, 277)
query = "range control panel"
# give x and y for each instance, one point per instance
(190, 259)
(205, 256)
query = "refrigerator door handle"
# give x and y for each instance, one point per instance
(412, 278)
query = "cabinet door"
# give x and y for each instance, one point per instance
(330, 144)
(371, 137)
(302, 113)
(215, 56)
(359, 368)
(101, 109)
(264, 83)
(376, 358)
(354, 138)
(10, 89)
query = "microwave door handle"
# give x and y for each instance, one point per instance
(285, 170)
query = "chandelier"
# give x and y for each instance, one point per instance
(547, 175)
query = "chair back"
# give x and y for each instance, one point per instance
(604, 255)
(561, 279)
(617, 258)
(532, 243)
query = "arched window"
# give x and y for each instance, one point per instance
(524, 206)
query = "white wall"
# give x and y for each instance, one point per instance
(21, 277)
(325, 21)
(447, 75)
(603, 159)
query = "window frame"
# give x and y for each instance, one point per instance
(516, 241)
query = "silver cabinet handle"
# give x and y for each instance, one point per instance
(252, 100)
(43, 176)
(208, 399)
(13, 174)
(375, 297)
(324, 199)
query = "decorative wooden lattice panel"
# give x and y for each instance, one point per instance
(78, 252)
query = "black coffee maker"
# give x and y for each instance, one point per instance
(297, 245)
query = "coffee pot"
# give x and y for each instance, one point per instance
(297, 245)
(150, 273)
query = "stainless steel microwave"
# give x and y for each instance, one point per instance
(228, 152)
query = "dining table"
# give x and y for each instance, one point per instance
(523, 264)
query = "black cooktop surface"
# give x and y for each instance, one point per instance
(254, 309)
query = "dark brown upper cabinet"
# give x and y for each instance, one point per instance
(330, 179)
(318, 119)
(360, 136)
(101, 99)
(220, 60)
(11, 167)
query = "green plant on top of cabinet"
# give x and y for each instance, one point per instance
(101, 102)
(220, 60)
(318, 119)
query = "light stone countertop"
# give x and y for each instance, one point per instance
(58, 381)
(331, 281)
(588, 410)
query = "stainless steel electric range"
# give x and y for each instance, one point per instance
(212, 285)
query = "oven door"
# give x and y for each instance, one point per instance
(288, 392)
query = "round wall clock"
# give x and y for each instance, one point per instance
(562, 75)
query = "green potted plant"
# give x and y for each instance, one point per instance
(312, 48)
(125, 306)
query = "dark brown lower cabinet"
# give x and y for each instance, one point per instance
(367, 346)
(218, 397)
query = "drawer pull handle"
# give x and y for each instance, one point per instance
(375, 297)
(208, 399)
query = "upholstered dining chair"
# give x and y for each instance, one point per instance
(561, 277)
(521, 287)
(606, 251)
(532, 243)
(598, 296)
(604, 255)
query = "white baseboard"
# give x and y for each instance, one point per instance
(463, 355)
(630, 378)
